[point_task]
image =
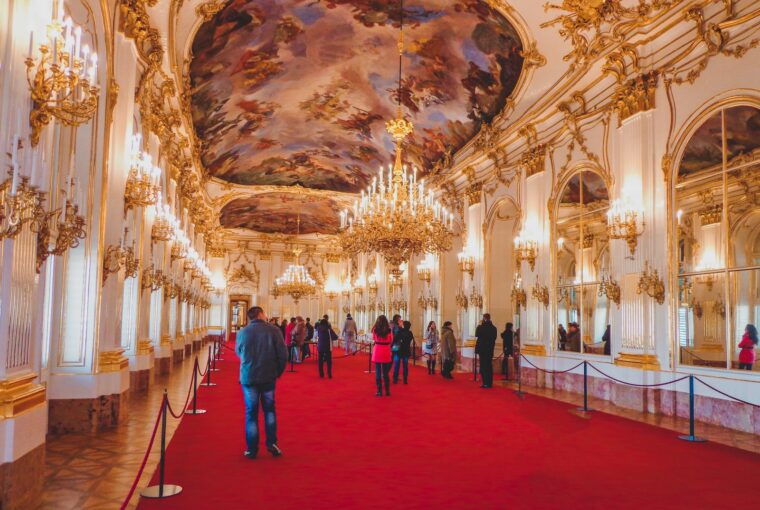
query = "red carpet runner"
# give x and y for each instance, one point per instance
(437, 444)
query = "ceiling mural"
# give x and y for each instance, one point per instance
(278, 212)
(705, 148)
(291, 92)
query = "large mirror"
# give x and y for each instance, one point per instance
(582, 260)
(717, 204)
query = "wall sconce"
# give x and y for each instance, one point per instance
(519, 298)
(540, 293)
(63, 80)
(706, 279)
(163, 223)
(68, 232)
(461, 299)
(610, 288)
(651, 284)
(372, 285)
(331, 294)
(423, 273)
(142, 188)
(625, 222)
(117, 257)
(346, 308)
(525, 249)
(152, 279)
(476, 299)
(466, 263)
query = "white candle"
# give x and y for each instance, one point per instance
(77, 43)
(67, 35)
(85, 54)
(31, 44)
(14, 185)
(14, 150)
(94, 69)
(55, 49)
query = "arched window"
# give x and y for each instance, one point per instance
(717, 224)
(581, 259)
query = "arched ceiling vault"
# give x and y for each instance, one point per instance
(292, 93)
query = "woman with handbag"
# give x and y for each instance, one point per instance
(382, 338)
(430, 347)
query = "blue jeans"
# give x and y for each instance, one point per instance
(397, 360)
(252, 393)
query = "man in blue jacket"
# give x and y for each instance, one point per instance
(263, 356)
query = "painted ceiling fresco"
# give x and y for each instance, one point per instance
(291, 92)
(591, 184)
(278, 212)
(705, 148)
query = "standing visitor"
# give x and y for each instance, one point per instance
(401, 356)
(382, 336)
(573, 337)
(747, 346)
(262, 354)
(299, 337)
(309, 338)
(324, 348)
(606, 339)
(507, 338)
(484, 346)
(430, 348)
(562, 336)
(283, 327)
(448, 350)
(349, 334)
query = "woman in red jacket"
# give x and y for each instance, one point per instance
(381, 354)
(747, 346)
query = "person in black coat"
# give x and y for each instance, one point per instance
(305, 349)
(403, 339)
(508, 338)
(486, 343)
(606, 340)
(324, 347)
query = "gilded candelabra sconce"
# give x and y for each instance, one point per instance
(346, 308)
(610, 288)
(651, 284)
(476, 299)
(625, 222)
(331, 294)
(360, 307)
(20, 203)
(421, 301)
(346, 290)
(153, 279)
(381, 306)
(719, 308)
(698, 310)
(519, 298)
(423, 273)
(116, 258)
(540, 293)
(62, 80)
(461, 299)
(397, 283)
(372, 285)
(466, 263)
(399, 305)
(68, 231)
(525, 249)
(706, 279)
(142, 188)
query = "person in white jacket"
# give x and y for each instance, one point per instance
(349, 334)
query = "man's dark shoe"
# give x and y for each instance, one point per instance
(249, 455)
(274, 450)
(379, 393)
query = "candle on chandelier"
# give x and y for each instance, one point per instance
(94, 69)
(85, 53)
(14, 164)
(31, 44)
(67, 35)
(77, 44)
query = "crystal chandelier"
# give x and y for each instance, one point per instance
(394, 216)
(296, 280)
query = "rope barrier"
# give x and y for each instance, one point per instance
(187, 401)
(655, 385)
(147, 454)
(551, 371)
(726, 394)
(200, 372)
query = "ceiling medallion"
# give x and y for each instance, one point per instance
(394, 217)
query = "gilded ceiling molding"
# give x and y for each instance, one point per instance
(591, 26)
(636, 96)
(208, 10)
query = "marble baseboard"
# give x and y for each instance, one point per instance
(178, 355)
(724, 413)
(140, 380)
(21, 480)
(163, 366)
(86, 415)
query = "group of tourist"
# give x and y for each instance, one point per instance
(570, 339)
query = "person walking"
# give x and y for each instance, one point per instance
(382, 337)
(292, 353)
(309, 338)
(349, 334)
(448, 350)
(484, 346)
(263, 356)
(405, 337)
(430, 347)
(324, 348)
(747, 346)
(507, 338)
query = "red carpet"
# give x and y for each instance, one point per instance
(437, 444)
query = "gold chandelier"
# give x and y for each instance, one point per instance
(395, 217)
(296, 280)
